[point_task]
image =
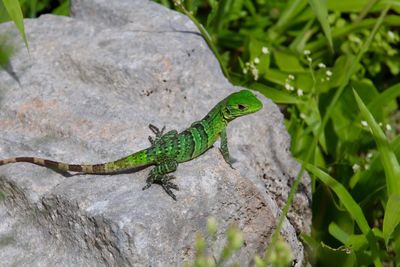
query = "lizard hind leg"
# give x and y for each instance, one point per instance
(158, 175)
(159, 134)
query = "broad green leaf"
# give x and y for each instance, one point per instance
(321, 11)
(302, 80)
(347, 124)
(287, 62)
(388, 158)
(392, 216)
(342, 65)
(14, 10)
(384, 98)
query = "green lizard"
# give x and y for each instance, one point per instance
(169, 149)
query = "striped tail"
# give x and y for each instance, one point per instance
(136, 160)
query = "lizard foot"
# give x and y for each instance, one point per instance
(228, 159)
(160, 135)
(165, 183)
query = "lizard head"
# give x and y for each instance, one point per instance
(240, 103)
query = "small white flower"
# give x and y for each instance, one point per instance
(291, 77)
(322, 65)
(256, 60)
(289, 87)
(245, 71)
(328, 73)
(370, 155)
(302, 115)
(391, 35)
(299, 92)
(388, 127)
(255, 74)
(177, 2)
(380, 124)
(366, 166)
(356, 167)
(309, 59)
(254, 71)
(265, 50)
(364, 123)
(247, 64)
(328, 78)
(307, 52)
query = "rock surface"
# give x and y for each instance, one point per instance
(89, 87)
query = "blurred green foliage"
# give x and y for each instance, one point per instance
(333, 66)
(206, 254)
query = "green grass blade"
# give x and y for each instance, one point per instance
(321, 11)
(6, 52)
(293, 8)
(391, 168)
(14, 10)
(388, 158)
(392, 216)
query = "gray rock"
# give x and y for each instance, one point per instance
(89, 87)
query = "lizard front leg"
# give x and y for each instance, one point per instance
(158, 175)
(224, 148)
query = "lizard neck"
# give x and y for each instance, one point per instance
(214, 123)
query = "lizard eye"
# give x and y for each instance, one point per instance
(241, 107)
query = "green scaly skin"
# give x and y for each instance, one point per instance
(169, 149)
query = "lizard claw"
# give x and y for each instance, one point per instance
(165, 183)
(168, 190)
(227, 159)
(172, 185)
(151, 140)
(147, 186)
(157, 131)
